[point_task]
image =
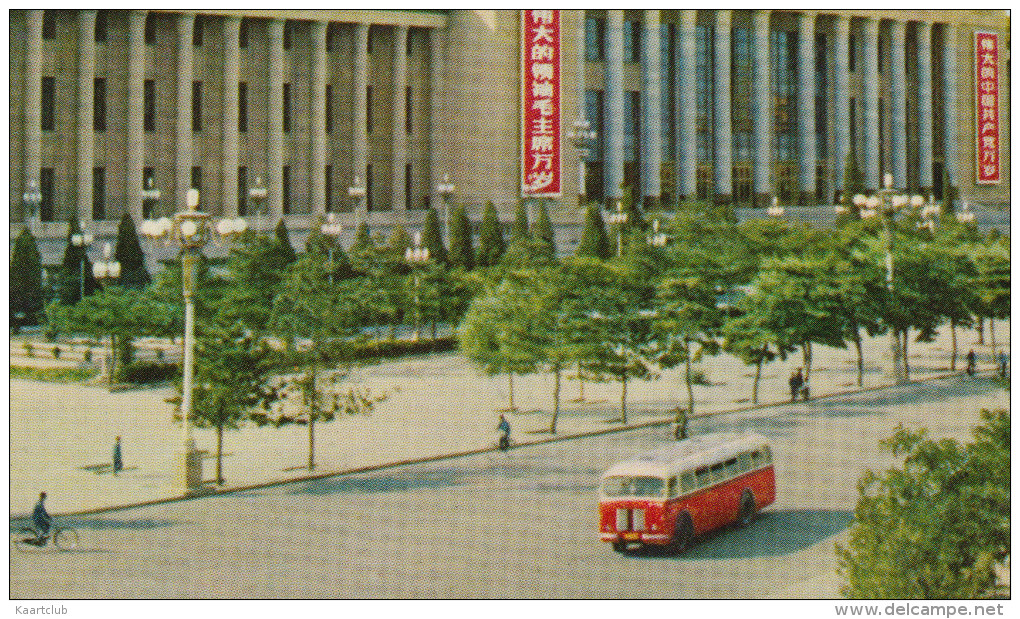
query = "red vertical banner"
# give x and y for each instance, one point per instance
(540, 103)
(986, 94)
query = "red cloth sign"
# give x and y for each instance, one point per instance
(540, 103)
(986, 93)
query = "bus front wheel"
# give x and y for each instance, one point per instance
(748, 509)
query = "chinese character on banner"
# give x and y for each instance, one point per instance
(540, 103)
(986, 108)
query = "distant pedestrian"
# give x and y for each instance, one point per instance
(1003, 363)
(41, 518)
(680, 423)
(504, 433)
(805, 390)
(118, 460)
(971, 362)
(796, 382)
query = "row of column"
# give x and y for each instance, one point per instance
(686, 104)
(183, 148)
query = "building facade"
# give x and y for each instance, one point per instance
(733, 106)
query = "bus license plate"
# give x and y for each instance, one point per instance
(632, 536)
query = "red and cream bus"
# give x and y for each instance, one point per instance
(668, 496)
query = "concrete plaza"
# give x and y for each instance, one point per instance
(61, 435)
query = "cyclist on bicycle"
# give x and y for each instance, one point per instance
(41, 518)
(504, 433)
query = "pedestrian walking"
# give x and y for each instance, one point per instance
(118, 460)
(796, 382)
(971, 362)
(1003, 363)
(504, 433)
(680, 423)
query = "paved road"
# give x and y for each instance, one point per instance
(519, 525)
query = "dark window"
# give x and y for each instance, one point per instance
(408, 202)
(196, 177)
(196, 31)
(288, 34)
(242, 33)
(408, 109)
(48, 86)
(369, 38)
(631, 41)
(368, 187)
(594, 39)
(196, 105)
(98, 194)
(881, 48)
(410, 41)
(149, 113)
(368, 109)
(242, 107)
(328, 185)
(853, 52)
(99, 104)
(329, 108)
(242, 191)
(150, 29)
(286, 190)
(286, 108)
(853, 121)
(331, 34)
(101, 17)
(49, 25)
(47, 189)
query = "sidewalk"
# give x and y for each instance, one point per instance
(61, 436)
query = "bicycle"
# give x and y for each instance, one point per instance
(25, 539)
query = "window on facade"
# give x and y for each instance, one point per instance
(631, 41)
(47, 103)
(853, 120)
(286, 108)
(881, 50)
(197, 31)
(242, 107)
(150, 29)
(704, 92)
(288, 34)
(328, 185)
(369, 39)
(331, 36)
(196, 177)
(99, 104)
(408, 197)
(149, 106)
(593, 101)
(286, 190)
(368, 187)
(49, 25)
(853, 52)
(98, 194)
(408, 109)
(594, 39)
(196, 105)
(242, 33)
(329, 108)
(242, 191)
(47, 189)
(784, 86)
(411, 33)
(101, 22)
(631, 125)
(368, 109)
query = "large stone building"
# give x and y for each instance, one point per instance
(727, 105)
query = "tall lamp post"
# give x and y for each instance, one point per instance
(775, 210)
(656, 238)
(887, 202)
(618, 219)
(357, 193)
(446, 190)
(105, 270)
(417, 256)
(332, 229)
(579, 136)
(150, 196)
(32, 198)
(82, 240)
(258, 194)
(191, 229)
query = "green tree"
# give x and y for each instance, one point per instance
(253, 274)
(432, 237)
(133, 273)
(399, 239)
(937, 527)
(75, 269)
(594, 242)
(286, 250)
(520, 227)
(991, 280)
(542, 231)
(491, 245)
(748, 337)
(461, 251)
(362, 240)
(27, 298)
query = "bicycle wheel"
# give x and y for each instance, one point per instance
(66, 539)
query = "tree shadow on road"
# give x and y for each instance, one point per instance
(396, 481)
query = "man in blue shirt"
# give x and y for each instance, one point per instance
(41, 518)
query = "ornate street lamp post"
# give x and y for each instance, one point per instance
(332, 229)
(417, 256)
(446, 190)
(82, 240)
(32, 198)
(258, 194)
(105, 270)
(357, 193)
(618, 219)
(656, 238)
(191, 229)
(150, 197)
(775, 210)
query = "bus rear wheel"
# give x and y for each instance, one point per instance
(748, 509)
(683, 534)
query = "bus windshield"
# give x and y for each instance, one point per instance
(633, 486)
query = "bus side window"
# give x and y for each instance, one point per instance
(687, 483)
(718, 472)
(671, 491)
(745, 462)
(756, 459)
(732, 468)
(703, 476)
(766, 454)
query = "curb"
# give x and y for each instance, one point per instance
(211, 492)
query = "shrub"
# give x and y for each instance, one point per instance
(29, 349)
(56, 375)
(56, 352)
(149, 372)
(87, 355)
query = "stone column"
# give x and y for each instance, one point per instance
(688, 103)
(182, 143)
(136, 116)
(723, 119)
(952, 153)
(898, 102)
(806, 107)
(360, 149)
(437, 138)
(317, 126)
(274, 122)
(231, 78)
(651, 110)
(841, 98)
(762, 109)
(614, 120)
(33, 97)
(86, 103)
(869, 87)
(399, 195)
(924, 110)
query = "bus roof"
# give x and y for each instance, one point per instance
(691, 453)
